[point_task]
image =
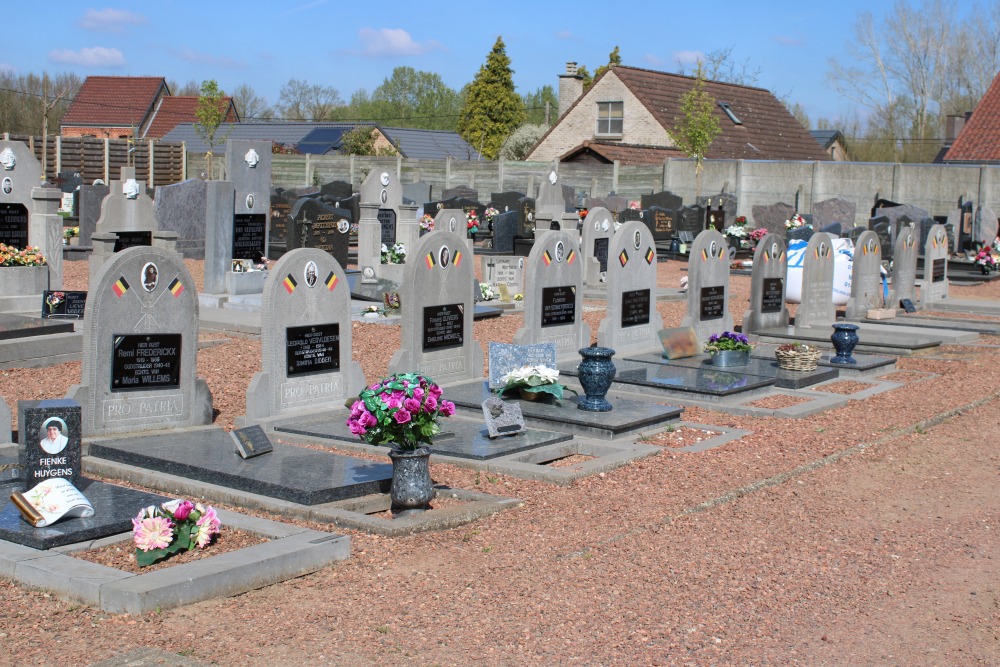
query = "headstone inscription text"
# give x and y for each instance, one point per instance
(444, 327)
(937, 271)
(771, 295)
(63, 305)
(249, 235)
(387, 219)
(558, 305)
(601, 251)
(312, 349)
(146, 361)
(132, 239)
(14, 225)
(663, 222)
(635, 307)
(712, 301)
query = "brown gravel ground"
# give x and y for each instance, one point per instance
(865, 535)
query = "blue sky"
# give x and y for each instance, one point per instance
(351, 45)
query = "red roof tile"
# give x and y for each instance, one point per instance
(114, 101)
(624, 153)
(979, 140)
(171, 111)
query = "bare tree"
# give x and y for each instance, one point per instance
(252, 107)
(189, 89)
(719, 65)
(300, 100)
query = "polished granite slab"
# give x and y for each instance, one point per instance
(692, 383)
(757, 366)
(462, 439)
(114, 509)
(295, 474)
(930, 322)
(20, 326)
(868, 338)
(373, 292)
(628, 416)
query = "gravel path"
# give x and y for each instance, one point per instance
(863, 535)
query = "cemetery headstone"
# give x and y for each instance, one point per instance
(985, 227)
(550, 202)
(661, 222)
(504, 358)
(883, 230)
(50, 440)
(502, 418)
(418, 192)
(5, 430)
(337, 189)
(504, 231)
(903, 277)
(316, 224)
(553, 296)
(935, 278)
(248, 168)
(453, 220)
(507, 271)
(664, 199)
(831, 211)
(437, 337)
(183, 208)
(384, 220)
(708, 286)
(90, 198)
(816, 308)
(689, 221)
(723, 204)
(460, 191)
(140, 342)
(632, 319)
(834, 229)
(277, 235)
(251, 441)
(900, 215)
(306, 339)
(65, 305)
(767, 286)
(773, 217)
(220, 230)
(507, 201)
(866, 282)
(598, 229)
(803, 233)
(526, 220)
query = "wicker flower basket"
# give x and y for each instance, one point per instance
(804, 358)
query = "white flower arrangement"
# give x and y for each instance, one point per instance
(487, 292)
(737, 231)
(395, 255)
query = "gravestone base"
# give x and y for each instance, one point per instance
(758, 366)
(245, 283)
(200, 415)
(37, 351)
(250, 303)
(871, 342)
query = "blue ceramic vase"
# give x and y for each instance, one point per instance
(596, 373)
(844, 339)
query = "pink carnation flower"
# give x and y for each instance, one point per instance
(152, 533)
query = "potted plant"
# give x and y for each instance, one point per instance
(426, 223)
(401, 412)
(729, 349)
(984, 260)
(797, 356)
(371, 312)
(533, 383)
(487, 292)
(472, 222)
(394, 255)
(737, 235)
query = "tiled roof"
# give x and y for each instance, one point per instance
(180, 109)
(114, 101)
(624, 153)
(979, 140)
(430, 144)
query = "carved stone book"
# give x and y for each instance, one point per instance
(50, 501)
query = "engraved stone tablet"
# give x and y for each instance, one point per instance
(771, 296)
(711, 302)
(502, 418)
(558, 305)
(313, 349)
(249, 236)
(63, 305)
(145, 361)
(443, 326)
(635, 307)
(251, 441)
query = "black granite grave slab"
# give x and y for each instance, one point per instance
(758, 366)
(628, 416)
(689, 382)
(20, 326)
(461, 439)
(868, 339)
(295, 474)
(114, 509)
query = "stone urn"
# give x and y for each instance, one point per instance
(844, 339)
(412, 489)
(596, 373)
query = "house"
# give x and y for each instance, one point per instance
(833, 143)
(625, 114)
(318, 138)
(977, 137)
(173, 110)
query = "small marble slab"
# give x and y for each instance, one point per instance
(114, 509)
(502, 418)
(868, 338)
(758, 366)
(295, 474)
(19, 326)
(715, 383)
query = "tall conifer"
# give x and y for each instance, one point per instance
(492, 109)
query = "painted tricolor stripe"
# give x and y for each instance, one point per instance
(571, 256)
(175, 287)
(331, 281)
(547, 258)
(458, 258)
(120, 287)
(429, 259)
(623, 258)
(289, 283)
(650, 255)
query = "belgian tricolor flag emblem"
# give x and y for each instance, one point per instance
(289, 283)
(650, 255)
(120, 287)
(623, 258)
(175, 287)
(429, 260)
(331, 281)
(458, 258)
(547, 258)
(571, 256)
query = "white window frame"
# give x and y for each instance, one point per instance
(606, 119)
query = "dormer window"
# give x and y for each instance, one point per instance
(729, 112)
(609, 118)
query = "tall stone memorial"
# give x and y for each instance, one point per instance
(437, 336)
(140, 344)
(632, 321)
(550, 203)
(935, 283)
(708, 286)
(453, 220)
(305, 340)
(816, 308)
(248, 167)
(866, 279)
(385, 220)
(903, 277)
(767, 286)
(598, 228)
(553, 296)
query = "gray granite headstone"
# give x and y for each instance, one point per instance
(460, 191)
(901, 215)
(598, 228)
(632, 320)
(664, 199)
(725, 201)
(816, 307)
(418, 192)
(935, 278)
(550, 202)
(904, 267)
(453, 220)
(49, 432)
(507, 271)
(248, 168)
(317, 224)
(803, 233)
(553, 296)
(504, 231)
(305, 339)
(277, 235)
(834, 229)
(218, 218)
(182, 207)
(383, 214)
(767, 286)
(708, 286)
(140, 344)
(339, 190)
(689, 220)
(91, 197)
(437, 338)
(504, 357)
(883, 230)
(773, 217)
(835, 210)
(986, 226)
(866, 281)
(5, 424)
(502, 418)
(663, 223)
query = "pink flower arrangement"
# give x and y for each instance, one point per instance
(472, 221)
(400, 411)
(635, 205)
(757, 234)
(172, 527)
(490, 213)
(427, 222)
(28, 256)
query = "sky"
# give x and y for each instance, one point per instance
(352, 45)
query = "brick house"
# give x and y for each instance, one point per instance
(978, 135)
(625, 114)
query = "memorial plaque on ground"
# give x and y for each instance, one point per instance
(251, 441)
(504, 357)
(14, 225)
(63, 305)
(502, 418)
(708, 286)
(767, 286)
(49, 434)
(632, 320)
(249, 236)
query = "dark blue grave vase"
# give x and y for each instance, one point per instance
(412, 489)
(596, 373)
(844, 338)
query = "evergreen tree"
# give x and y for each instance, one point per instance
(492, 109)
(695, 130)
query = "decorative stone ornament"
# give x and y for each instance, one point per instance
(553, 177)
(130, 188)
(251, 158)
(7, 159)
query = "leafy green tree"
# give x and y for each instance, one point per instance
(361, 141)
(534, 105)
(614, 59)
(521, 141)
(211, 112)
(492, 108)
(696, 128)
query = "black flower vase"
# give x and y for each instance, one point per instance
(412, 489)
(596, 373)
(844, 339)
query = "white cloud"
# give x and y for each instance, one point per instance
(199, 58)
(97, 56)
(688, 57)
(110, 20)
(392, 42)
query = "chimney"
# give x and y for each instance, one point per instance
(953, 126)
(570, 87)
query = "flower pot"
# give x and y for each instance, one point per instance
(596, 373)
(798, 360)
(412, 489)
(526, 395)
(844, 339)
(372, 316)
(729, 358)
(881, 313)
(985, 269)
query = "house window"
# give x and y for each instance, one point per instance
(729, 112)
(609, 118)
